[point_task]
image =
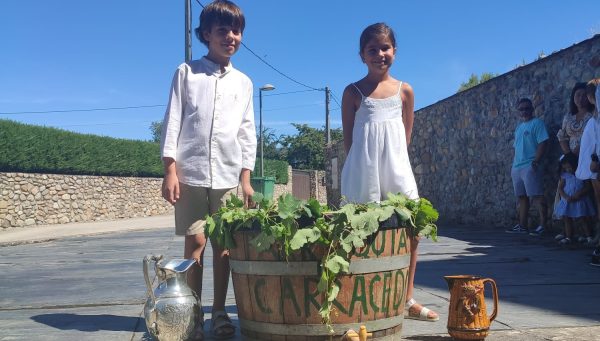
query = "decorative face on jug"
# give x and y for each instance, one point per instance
(172, 309)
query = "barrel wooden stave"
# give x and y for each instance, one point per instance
(283, 300)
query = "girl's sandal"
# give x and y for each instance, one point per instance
(350, 335)
(423, 314)
(221, 326)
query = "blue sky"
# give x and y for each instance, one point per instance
(73, 54)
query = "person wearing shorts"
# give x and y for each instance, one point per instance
(530, 142)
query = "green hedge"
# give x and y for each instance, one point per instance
(35, 149)
(276, 168)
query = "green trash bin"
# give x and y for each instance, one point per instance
(264, 185)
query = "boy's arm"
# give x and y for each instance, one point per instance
(170, 185)
(171, 126)
(247, 139)
(168, 143)
(247, 190)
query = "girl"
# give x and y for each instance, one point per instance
(377, 120)
(574, 200)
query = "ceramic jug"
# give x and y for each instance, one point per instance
(468, 318)
(172, 309)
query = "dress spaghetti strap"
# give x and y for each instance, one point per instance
(360, 92)
(399, 89)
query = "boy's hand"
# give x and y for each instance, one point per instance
(247, 192)
(170, 188)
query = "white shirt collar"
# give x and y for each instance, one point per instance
(215, 68)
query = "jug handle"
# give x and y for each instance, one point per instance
(495, 296)
(146, 264)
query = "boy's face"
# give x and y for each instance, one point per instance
(223, 40)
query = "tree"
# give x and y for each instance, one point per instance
(156, 129)
(476, 80)
(306, 149)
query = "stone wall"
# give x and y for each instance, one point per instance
(28, 199)
(38, 199)
(461, 149)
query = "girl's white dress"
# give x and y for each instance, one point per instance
(378, 162)
(580, 208)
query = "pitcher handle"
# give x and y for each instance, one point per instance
(495, 296)
(146, 264)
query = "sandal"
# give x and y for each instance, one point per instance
(198, 334)
(423, 314)
(350, 335)
(221, 326)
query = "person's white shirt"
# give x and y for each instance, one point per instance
(208, 127)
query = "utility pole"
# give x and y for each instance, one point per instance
(327, 132)
(188, 30)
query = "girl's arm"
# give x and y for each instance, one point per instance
(585, 190)
(561, 189)
(348, 112)
(408, 110)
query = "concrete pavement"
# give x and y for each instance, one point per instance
(85, 282)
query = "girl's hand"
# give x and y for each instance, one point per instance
(170, 188)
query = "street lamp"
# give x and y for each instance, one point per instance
(266, 87)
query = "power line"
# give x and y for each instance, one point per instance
(335, 99)
(82, 110)
(271, 66)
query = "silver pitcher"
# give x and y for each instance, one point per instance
(172, 309)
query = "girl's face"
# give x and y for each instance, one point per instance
(379, 53)
(568, 168)
(580, 98)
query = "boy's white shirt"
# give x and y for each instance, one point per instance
(208, 127)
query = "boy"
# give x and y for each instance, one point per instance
(208, 146)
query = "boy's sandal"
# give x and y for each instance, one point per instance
(423, 314)
(221, 326)
(198, 334)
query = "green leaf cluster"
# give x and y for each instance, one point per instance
(289, 224)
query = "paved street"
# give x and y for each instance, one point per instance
(85, 282)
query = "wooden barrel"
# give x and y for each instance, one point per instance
(278, 300)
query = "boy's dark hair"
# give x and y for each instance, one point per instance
(572, 105)
(220, 12)
(374, 31)
(570, 159)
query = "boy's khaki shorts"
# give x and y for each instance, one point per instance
(192, 207)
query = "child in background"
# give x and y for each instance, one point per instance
(574, 202)
(377, 119)
(208, 147)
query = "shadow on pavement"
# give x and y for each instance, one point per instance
(91, 323)
(529, 271)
